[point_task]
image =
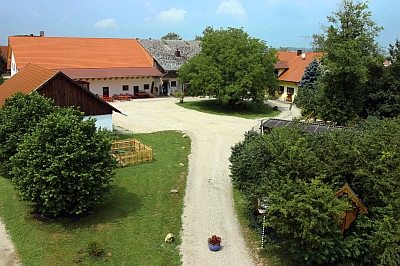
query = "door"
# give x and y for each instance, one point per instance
(165, 87)
(135, 89)
(106, 92)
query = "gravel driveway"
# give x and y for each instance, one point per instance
(208, 200)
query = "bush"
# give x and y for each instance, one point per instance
(306, 218)
(18, 116)
(299, 174)
(64, 167)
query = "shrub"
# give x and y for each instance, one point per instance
(306, 218)
(18, 116)
(64, 167)
(299, 174)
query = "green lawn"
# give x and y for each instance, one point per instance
(131, 226)
(247, 110)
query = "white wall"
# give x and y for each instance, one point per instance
(115, 85)
(172, 90)
(13, 65)
(102, 121)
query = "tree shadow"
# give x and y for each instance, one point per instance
(119, 204)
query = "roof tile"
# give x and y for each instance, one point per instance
(27, 80)
(295, 65)
(72, 52)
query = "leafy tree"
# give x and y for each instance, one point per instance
(3, 63)
(232, 66)
(64, 167)
(350, 50)
(307, 97)
(305, 216)
(254, 166)
(299, 174)
(171, 36)
(318, 42)
(383, 99)
(18, 117)
(207, 30)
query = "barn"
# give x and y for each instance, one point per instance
(62, 89)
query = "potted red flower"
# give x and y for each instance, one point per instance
(214, 243)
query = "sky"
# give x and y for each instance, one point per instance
(280, 23)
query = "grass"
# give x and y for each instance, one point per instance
(246, 110)
(129, 229)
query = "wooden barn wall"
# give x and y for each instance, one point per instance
(66, 93)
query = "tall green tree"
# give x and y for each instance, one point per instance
(171, 36)
(383, 99)
(350, 50)
(232, 66)
(3, 63)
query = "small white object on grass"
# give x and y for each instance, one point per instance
(169, 238)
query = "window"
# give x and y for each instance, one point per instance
(290, 90)
(281, 89)
(125, 87)
(146, 86)
(173, 83)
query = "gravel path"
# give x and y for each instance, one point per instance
(208, 200)
(287, 112)
(8, 255)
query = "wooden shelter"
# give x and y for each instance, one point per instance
(271, 123)
(357, 206)
(62, 89)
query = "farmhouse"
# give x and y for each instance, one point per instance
(62, 89)
(169, 56)
(106, 66)
(290, 69)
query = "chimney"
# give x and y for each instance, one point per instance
(303, 56)
(299, 52)
(41, 33)
(177, 53)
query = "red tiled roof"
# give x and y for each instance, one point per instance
(27, 80)
(70, 52)
(296, 65)
(281, 65)
(77, 73)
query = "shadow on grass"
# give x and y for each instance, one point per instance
(120, 203)
(245, 110)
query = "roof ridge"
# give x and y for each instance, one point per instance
(70, 37)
